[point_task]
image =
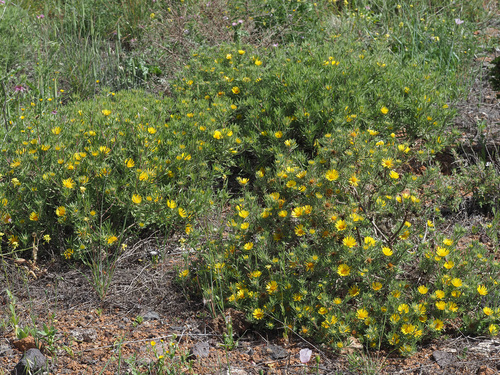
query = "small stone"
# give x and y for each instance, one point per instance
(32, 362)
(233, 371)
(25, 343)
(276, 352)
(200, 349)
(84, 334)
(442, 358)
(151, 315)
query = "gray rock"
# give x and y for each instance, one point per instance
(32, 362)
(200, 349)
(151, 315)
(276, 352)
(442, 358)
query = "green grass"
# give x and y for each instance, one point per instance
(310, 121)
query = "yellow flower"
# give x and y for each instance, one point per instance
(437, 325)
(56, 130)
(236, 90)
(422, 289)
(387, 251)
(322, 310)
(106, 112)
(482, 290)
(272, 287)
(258, 62)
(376, 285)
(408, 329)
(278, 134)
(33, 216)
(349, 241)
(447, 242)
(384, 110)
(340, 225)
(441, 305)
(171, 204)
(388, 163)
(299, 230)
(493, 328)
(394, 175)
(69, 183)
(282, 213)
(112, 239)
(449, 264)
(183, 274)
(403, 308)
(258, 314)
(332, 175)
(343, 270)
(182, 212)
(439, 294)
(136, 198)
(255, 274)
(442, 252)
(353, 291)
(362, 314)
(217, 134)
(242, 181)
(354, 180)
(456, 282)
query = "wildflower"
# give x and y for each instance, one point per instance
(248, 246)
(33, 216)
(322, 310)
(456, 282)
(388, 163)
(482, 290)
(182, 212)
(442, 252)
(112, 239)
(299, 230)
(46, 238)
(449, 264)
(242, 181)
(282, 213)
(353, 291)
(332, 175)
(493, 329)
(183, 274)
(258, 62)
(362, 314)
(448, 242)
(369, 241)
(422, 289)
(343, 270)
(171, 204)
(437, 325)
(272, 287)
(69, 183)
(387, 251)
(241, 52)
(136, 198)
(153, 343)
(349, 241)
(129, 162)
(106, 112)
(217, 134)
(394, 175)
(439, 294)
(384, 110)
(376, 285)
(441, 305)
(353, 181)
(408, 329)
(340, 225)
(255, 274)
(236, 90)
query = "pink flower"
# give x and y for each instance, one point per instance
(20, 88)
(41, 16)
(458, 21)
(305, 355)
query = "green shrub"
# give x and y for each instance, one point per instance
(92, 173)
(345, 244)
